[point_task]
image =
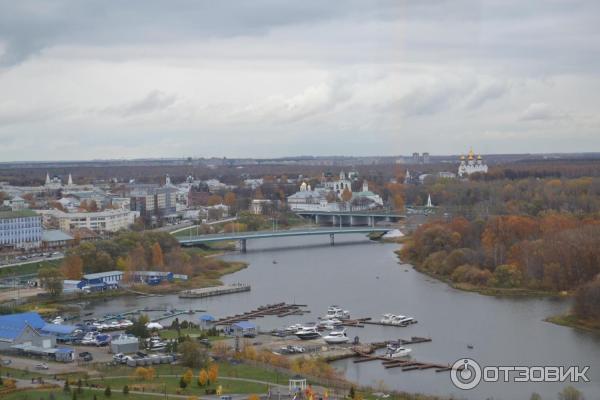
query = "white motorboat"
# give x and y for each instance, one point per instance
(89, 338)
(330, 323)
(387, 318)
(337, 312)
(294, 328)
(58, 320)
(402, 320)
(336, 337)
(397, 351)
(308, 333)
(155, 344)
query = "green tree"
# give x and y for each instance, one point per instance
(107, 392)
(52, 280)
(193, 355)
(182, 383)
(66, 386)
(125, 390)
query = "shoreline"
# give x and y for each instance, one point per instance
(484, 290)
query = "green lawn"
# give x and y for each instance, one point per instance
(195, 332)
(86, 395)
(27, 269)
(225, 369)
(172, 385)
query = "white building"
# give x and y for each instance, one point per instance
(16, 203)
(339, 185)
(101, 221)
(471, 165)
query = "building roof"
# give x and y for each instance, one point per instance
(98, 275)
(244, 325)
(59, 329)
(207, 317)
(12, 325)
(17, 214)
(55, 235)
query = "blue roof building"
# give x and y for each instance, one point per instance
(244, 328)
(12, 325)
(16, 329)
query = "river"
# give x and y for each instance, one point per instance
(366, 278)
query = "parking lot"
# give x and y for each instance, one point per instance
(99, 354)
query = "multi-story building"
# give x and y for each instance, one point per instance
(20, 229)
(154, 201)
(101, 221)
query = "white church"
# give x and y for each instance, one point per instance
(471, 164)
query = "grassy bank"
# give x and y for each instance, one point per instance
(572, 321)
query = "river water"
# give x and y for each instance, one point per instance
(366, 278)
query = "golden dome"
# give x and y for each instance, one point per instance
(462, 158)
(479, 157)
(471, 154)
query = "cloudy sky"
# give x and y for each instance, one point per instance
(268, 78)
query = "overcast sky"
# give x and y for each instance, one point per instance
(269, 78)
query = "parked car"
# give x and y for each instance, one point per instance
(86, 356)
(41, 366)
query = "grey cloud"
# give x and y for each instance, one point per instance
(486, 93)
(542, 112)
(29, 26)
(152, 102)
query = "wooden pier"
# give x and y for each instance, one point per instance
(214, 291)
(279, 309)
(405, 364)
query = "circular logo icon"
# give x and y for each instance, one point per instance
(465, 373)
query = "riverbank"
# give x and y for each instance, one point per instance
(483, 290)
(572, 321)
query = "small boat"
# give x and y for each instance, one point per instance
(470, 346)
(155, 344)
(336, 337)
(402, 320)
(335, 311)
(387, 318)
(329, 323)
(274, 262)
(58, 320)
(308, 333)
(394, 351)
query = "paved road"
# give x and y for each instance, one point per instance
(32, 261)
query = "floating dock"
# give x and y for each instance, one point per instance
(279, 309)
(214, 291)
(405, 364)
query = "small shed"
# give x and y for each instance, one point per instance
(206, 321)
(244, 328)
(124, 344)
(64, 354)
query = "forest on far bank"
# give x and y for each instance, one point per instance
(539, 234)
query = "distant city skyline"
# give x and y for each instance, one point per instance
(270, 79)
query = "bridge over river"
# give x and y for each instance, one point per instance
(242, 237)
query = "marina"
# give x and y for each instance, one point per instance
(369, 282)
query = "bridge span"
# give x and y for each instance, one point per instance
(350, 218)
(242, 237)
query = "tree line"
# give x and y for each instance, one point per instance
(552, 251)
